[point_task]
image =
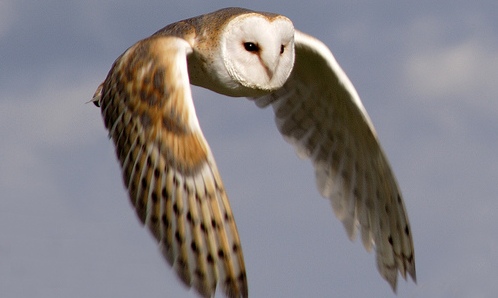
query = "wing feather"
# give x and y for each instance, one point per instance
(320, 113)
(168, 168)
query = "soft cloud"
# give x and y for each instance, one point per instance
(467, 68)
(54, 114)
(441, 67)
(45, 121)
(451, 74)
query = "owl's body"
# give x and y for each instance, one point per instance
(170, 172)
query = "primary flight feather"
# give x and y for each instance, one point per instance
(170, 172)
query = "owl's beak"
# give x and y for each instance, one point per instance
(270, 63)
(269, 72)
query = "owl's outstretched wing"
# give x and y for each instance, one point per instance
(319, 111)
(167, 166)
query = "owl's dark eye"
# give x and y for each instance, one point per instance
(251, 47)
(282, 48)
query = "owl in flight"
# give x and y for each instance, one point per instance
(170, 172)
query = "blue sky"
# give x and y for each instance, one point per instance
(427, 73)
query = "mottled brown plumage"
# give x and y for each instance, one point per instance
(168, 168)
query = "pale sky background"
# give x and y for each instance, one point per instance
(427, 73)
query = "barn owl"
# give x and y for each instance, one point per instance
(170, 172)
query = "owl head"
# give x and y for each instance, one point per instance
(252, 55)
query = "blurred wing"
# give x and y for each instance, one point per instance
(319, 111)
(168, 168)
